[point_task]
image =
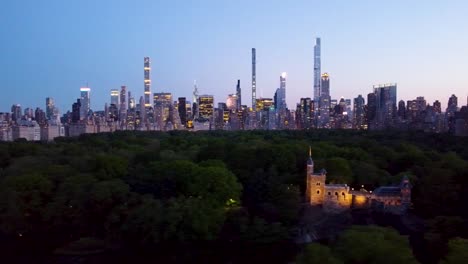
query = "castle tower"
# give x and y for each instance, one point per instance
(405, 187)
(315, 183)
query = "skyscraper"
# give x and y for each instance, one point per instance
(85, 101)
(232, 102)
(239, 96)
(254, 79)
(131, 101)
(386, 105)
(206, 106)
(281, 96)
(317, 70)
(324, 101)
(16, 112)
(182, 108)
(114, 96)
(359, 121)
(50, 106)
(147, 93)
(123, 99)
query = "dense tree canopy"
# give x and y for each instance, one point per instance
(152, 189)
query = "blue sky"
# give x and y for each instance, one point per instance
(53, 47)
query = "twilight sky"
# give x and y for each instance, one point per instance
(54, 47)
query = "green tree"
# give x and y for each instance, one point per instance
(316, 253)
(458, 252)
(372, 244)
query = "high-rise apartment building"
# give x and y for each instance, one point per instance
(114, 97)
(254, 79)
(239, 96)
(359, 115)
(182, 108)
(324, 102)
(281, 94)
(147, 82)
(206, 106)
(50, 107)
(386, 105)
(123, 99)
(317, 70)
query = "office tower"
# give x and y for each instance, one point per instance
(206, 106)
(324, 102)
(50, 107)
(123, 99)
(437, 107)
(371, 110)
(147, 93)
(305, 113)
(386, 95)
(182, 108)
(232, 102)
(359, 118)
(401, 110)
(76, 111)
(40, 116)
(452, 108)
(131, 101)
(317, 71)
(162, 103)
(254, 79)
(452, 105)
(16, 113)
(85, 100)
(114, 97)
(239, 96)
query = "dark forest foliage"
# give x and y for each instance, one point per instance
(146, 190)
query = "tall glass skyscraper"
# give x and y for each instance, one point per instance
(386, 105)
(324, 102)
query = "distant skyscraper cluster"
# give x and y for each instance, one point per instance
(160, 111)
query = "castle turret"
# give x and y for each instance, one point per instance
(405, 188)
(315, 183)
(310, 163)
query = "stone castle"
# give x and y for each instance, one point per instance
(340, 197)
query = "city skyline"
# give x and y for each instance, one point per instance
(38, 61)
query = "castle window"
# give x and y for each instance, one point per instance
(318, 192)
(329, 193)
(318, 183)
(336, 193)
(342, 193)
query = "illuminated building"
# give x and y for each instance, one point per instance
(359, 119)
(264, 104)
(85, 101)
(147, 72)
(280, 101)
(254, 79)
(336, 198)
(324, 102)
(232, 102)
(131, 101)
(162, 103)
(205, 106)
(114, 96)
(123, 99)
